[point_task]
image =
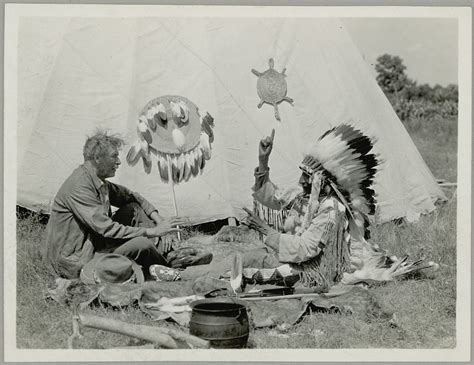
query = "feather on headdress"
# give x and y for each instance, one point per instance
(344, 153)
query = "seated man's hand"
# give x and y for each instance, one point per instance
(254, 222)
(166, 243)
(167, 225)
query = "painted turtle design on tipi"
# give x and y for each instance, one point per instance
(271, 87)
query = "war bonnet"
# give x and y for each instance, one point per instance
(344, 154)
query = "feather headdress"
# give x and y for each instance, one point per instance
(344, 154)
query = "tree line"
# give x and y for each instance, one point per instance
(410, 99)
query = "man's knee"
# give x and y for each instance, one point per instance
(144, 244)
(254, 258)
(132, 214)
(135, 245)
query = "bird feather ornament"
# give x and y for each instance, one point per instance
(142, 129)
(137, 150)
(184, 111)
(207, 122)
(194, 165)
(186, 171)
(199, 157)
(174, 169)
(188, 166)
(205, 145)
(171, 126)
(181, 162)
(147, 165)
(161, 112)
(150, 116)
(164, 170)
(175, 109)
(133, 154)
(236, 278)
(381, 270)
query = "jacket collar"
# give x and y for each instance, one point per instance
(98, 183)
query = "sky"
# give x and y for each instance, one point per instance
(427, 46)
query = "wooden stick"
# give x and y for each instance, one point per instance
(138, 347)
(448, 184)
(276, 297)
(75, 332)
(146, 333)
(194, 341)
(170, 174)
(140, 330)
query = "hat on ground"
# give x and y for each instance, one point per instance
(111, 268)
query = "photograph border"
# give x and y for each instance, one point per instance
(463, 317)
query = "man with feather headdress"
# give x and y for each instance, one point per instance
(320, 230)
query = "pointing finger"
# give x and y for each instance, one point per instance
(272, 135)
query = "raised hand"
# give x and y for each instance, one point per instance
(264, 149)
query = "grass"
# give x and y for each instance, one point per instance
(425, 305)
(437, 142)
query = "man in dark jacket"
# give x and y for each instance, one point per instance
(81, 221)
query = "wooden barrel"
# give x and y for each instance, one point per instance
(222, 321)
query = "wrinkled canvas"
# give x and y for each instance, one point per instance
(76, 74)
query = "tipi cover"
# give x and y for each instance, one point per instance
(76, 74)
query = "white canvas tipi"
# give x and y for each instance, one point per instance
(76, 74)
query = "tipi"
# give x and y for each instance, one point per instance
(76, 74)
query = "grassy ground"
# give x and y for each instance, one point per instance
(424, 305)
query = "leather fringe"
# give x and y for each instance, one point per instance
(327, 269)
(274, 218)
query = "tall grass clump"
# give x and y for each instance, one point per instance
(40, 323)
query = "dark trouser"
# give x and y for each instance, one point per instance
(140, 249)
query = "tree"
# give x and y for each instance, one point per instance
(450, 93)
(391, 74)
(410, 99)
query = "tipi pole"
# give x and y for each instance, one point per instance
(172, 191)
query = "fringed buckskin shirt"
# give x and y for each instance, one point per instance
(325, 251)
(81, 217)
(320, 250)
